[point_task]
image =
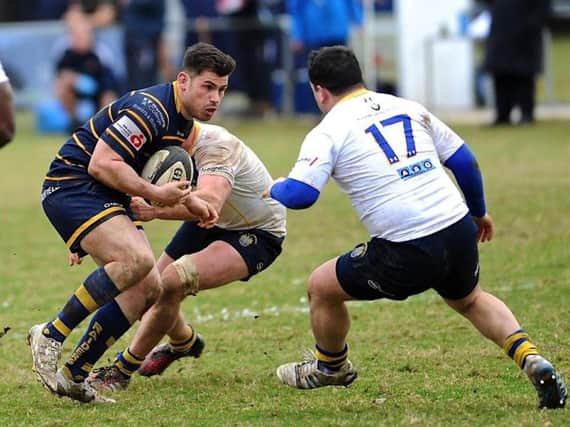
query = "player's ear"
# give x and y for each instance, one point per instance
(183, 79)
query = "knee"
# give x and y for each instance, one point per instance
(138, 265)
(465, 305)
(315, 288)
(172, 286)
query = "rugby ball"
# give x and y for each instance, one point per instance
(168, 164)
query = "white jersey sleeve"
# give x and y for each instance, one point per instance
(218, 152)
(316, 160)
(3, 76)
(446, 141)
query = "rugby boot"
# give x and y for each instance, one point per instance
(108, 378)
(162, 356)
(46, 353)
(80, 391)
(549, 386)
(307, 375)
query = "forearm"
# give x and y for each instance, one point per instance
(178, 212)
(465, 168)
(120, 176)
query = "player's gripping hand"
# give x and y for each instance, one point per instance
(201, 209)
(142, 210)
(485, 227)
(172, 193)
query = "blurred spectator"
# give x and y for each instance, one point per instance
(83, 83)
(514, 55)
(317, 23)
(200, 11)
(145, 51)
(99, 13)
(256, 49)
(7, 116)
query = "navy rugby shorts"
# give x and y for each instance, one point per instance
(258, 248)
(446, 261)
(76, 207)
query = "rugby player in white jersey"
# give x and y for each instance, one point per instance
(245, 240)
(388, 155)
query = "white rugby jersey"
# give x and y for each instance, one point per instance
(386, 153)
(3, 76)
(218, 152)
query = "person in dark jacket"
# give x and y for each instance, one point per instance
(514, 55)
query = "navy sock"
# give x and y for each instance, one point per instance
(106, 327)
(96, 291)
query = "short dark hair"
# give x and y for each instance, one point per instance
(206, 57)
(335, 68)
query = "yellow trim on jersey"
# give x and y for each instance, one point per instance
(80, 144)
(193, 137)
(160, 104)
(61, 327)
(90, 222)
(60, 178)
(125, 146)
(110, 113)
(67, 162)
(174, 138)
(353, 94)
(141, 121)
(92, 128)
(176, 97)
(85, 298)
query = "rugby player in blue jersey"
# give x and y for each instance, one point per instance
(86, 196)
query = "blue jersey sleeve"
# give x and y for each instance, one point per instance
(465, 168)
(139, 121)
(294, 194)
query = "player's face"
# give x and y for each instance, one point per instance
(201, 94)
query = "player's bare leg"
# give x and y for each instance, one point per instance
(330, 322)
(126, 259)
(495, 321)
(214, 266)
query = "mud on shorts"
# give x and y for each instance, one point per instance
(258, 248)
(446, 261)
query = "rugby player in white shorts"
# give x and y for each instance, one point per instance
(245, 240)
(388, 155)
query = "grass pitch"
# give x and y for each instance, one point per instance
(419, 363)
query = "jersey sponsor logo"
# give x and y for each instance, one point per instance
(310, 160)
(155, 111)
(247, 239)
(416, 169)
(130, 131)
(259, 266)
(216, 170)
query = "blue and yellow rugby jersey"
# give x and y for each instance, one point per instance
(136, 125)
